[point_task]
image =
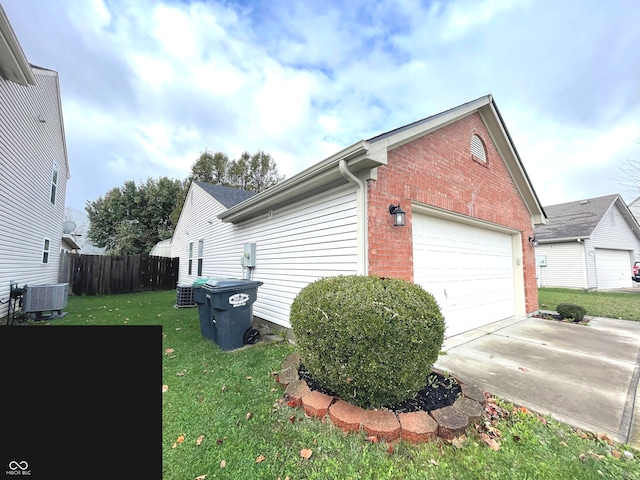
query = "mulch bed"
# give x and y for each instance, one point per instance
(439, 392)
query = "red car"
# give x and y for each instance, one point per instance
(635, 273)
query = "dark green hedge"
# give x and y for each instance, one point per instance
(571, 311)
(371, 340)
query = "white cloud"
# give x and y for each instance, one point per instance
(148, 85)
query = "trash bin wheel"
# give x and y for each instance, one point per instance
(251, 336)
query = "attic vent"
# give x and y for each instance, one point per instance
(584, 202)
(477, 149)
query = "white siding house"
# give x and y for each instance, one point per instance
(588, 244)
(34, 169)
(635, 208)
(299, 244)
(455, 173)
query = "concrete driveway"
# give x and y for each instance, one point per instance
(582, 375)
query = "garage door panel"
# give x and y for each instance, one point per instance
(613, 268)
(468, 269)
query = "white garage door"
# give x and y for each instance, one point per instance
(468, 269)
(613, 268)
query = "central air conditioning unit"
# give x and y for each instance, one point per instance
(45, 298)
(184, 296)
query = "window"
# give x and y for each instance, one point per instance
(190, 258)
(45, 250)
(200, 255)
(54, 183)
(478, 152)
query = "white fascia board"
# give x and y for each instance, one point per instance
(407, 134)
(13, 62)
(316, 178)
(627, 215)
(503, 143)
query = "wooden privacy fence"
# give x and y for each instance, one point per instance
(112, 274)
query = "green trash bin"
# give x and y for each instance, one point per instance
(231, 306)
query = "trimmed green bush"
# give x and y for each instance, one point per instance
(369, 339)
(571, 311)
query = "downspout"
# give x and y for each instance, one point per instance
(361, 207)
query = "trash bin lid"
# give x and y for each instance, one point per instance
(198, 282)
(217, 284)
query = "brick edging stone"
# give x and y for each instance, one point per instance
(446, 423)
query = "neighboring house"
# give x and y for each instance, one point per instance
(588, 244)
(69, 243)
(635, 209)
(162, 248)
(34, 169)
(470, 210)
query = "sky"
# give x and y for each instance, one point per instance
(147, 86)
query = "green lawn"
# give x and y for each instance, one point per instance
(600, 304)
(223, 418)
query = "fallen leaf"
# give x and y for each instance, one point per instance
(582, 457)
(223, 464)
(306, 453)
(168, 351)
(180, 439)
(220, 440)
(200, 477)
(174, 445)
(523, 409)
(615, 453)
(224, 388)
(180, 374)
(372, 438)
(200, 440)
(458, 442)
(390, 449)
(260, 458)
(596, 456)
(165, 388)
(248, 415)
(292, 403)
(249, 377)
(433, 462)
(493, 444)
(581, 434)
(605, 438)
(292, 418)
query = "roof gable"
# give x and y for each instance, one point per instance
(13, 62)
(367, 155)
(227, 196)
(578, 220)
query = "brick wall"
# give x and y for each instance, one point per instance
(437, 170)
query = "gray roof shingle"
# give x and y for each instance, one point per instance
(574, 219)
(227, 196)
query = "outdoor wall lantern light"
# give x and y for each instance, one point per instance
(533, 241)
(398, 215)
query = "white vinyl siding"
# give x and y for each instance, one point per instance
(612, 233)
(296, 245)
(28, 149)
(565, 265)
(468, 269)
